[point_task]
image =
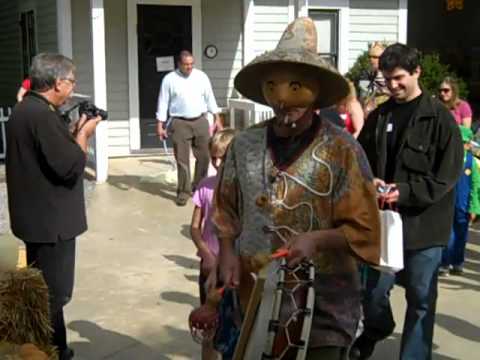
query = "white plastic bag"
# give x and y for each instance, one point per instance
(391, 256)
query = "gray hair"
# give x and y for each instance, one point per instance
(47, 68)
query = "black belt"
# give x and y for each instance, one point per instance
(189, 119)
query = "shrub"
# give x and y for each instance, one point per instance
(433, 72)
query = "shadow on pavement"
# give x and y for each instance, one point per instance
(183, 261)
(193, 278)
(106, 344)
(390, 349)
(165, 161)
(178, 343)
(151, 186)
(185, 231)
(458, 327)
(457, 283)
(180, 298)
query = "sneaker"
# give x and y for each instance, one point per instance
(457, 270)
(443, 271)
(66, 354)
(182, 199)
(362, 348)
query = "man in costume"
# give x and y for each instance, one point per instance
(299, 182)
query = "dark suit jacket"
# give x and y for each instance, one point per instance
(44, 168)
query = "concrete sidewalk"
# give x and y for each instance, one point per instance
(137, 277)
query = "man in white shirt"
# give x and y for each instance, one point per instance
(185, 97)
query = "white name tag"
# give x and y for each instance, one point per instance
(389, 127)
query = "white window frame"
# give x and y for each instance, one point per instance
(134, 101)
(343, 8)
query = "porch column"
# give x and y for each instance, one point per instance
(99, 88)
(402, 21)
(291, 10)
(64, 27)
(301, 9)
(248, 26)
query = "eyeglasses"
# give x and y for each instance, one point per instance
(446, 90)
(72, 81)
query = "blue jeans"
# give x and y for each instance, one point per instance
(454, 253)
(419, 277)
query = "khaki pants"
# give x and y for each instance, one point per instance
(186, 133)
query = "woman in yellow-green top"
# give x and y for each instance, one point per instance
(467, 206)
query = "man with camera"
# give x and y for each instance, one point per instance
(186, 96)
(44, 167)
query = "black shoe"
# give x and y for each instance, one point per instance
(443, 271)
(456, 270)
(362, 348)
(182, 199)
(65, 354)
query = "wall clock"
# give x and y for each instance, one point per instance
(211, 51)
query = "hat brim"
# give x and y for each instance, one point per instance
(333, 86)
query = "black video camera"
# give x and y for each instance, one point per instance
(91, 111)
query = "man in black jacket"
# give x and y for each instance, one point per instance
(44, 167)
(415, 150)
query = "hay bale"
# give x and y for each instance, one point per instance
(24, 311)
(21, 352)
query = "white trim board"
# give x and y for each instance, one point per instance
(301, 8)
(343, 7)
(248, 30)
(402, 21)
(133, 55)
(99, 87)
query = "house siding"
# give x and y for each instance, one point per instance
(11, 42)
(270, 20)
(116, 66)
(371, 20)
(46, 19)
(222, 24)
(116, 52)
(10, 52)
(82, 46)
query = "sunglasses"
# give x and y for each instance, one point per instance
(444, 90)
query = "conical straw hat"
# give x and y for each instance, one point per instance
(298, 45)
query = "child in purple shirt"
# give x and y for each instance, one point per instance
(202, 230)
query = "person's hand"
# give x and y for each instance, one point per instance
(217, 124)
(301, 247)
(229, 265)
(472, 217)
(389, 194)
(212, 280)
(86, 127)
(378, 183)
(392, 195)
(161, 131)
(209, 262)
